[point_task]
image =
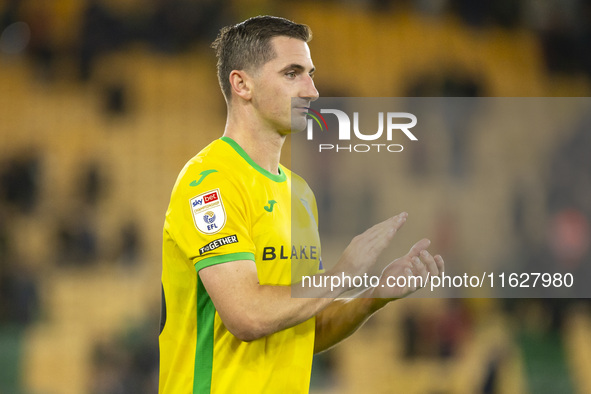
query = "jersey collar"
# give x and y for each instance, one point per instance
(274, 177)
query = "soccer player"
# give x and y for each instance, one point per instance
(229, 321)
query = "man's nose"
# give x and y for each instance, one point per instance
(309, 91)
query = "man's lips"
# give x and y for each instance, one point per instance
(303, 109)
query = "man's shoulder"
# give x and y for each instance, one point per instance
(212, 166)
(216, 155)
(298, 183)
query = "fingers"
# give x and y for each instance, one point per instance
(424, 263)
(419, 268)
(381, 234)
(399, 220)
(418, 247)
(390, 225)
(430, 263)
(440, 264)
(364, 249)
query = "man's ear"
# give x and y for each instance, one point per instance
(241, 84)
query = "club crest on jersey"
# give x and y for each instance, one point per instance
(208, 212)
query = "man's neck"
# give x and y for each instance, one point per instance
(262, 145)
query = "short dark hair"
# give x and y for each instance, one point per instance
(246, 45)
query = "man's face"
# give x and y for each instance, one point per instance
(284, 86)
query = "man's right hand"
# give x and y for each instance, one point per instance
(362, 253)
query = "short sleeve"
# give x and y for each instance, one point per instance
(210, 221)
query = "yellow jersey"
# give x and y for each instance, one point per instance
(223, 208)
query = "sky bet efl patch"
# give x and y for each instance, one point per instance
(208, 212)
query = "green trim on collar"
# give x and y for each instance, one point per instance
(281, 177)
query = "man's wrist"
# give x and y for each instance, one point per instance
(375, 303)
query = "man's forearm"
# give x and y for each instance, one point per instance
(343, 317)
(250, 310)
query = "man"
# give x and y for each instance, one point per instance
(230, 323)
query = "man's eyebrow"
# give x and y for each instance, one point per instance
(297, 67)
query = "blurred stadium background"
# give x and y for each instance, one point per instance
(102, 103)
